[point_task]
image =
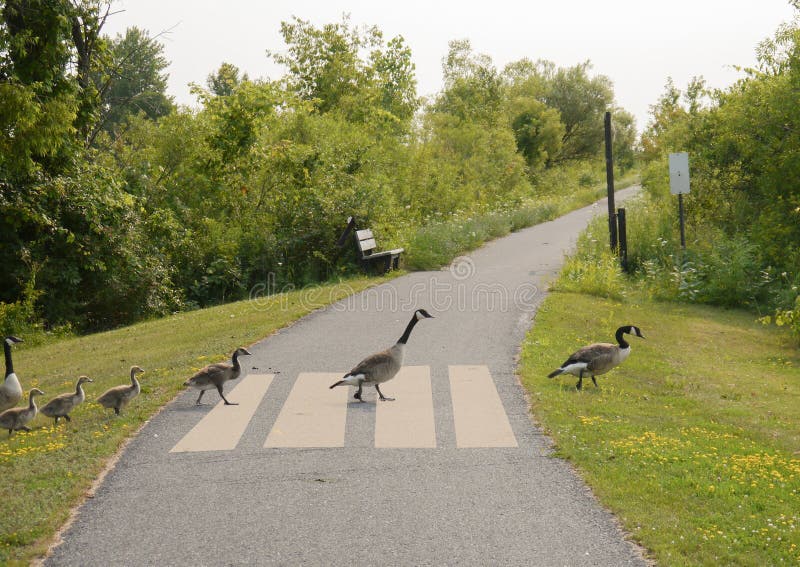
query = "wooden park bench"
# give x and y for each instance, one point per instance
(366, 246)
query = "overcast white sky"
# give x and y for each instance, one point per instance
(638, 44)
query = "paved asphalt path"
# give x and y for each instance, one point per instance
(357, 504)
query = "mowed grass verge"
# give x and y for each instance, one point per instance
(694, 441)
(47, 471)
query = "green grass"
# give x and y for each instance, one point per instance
(47, 471)
(694, 442)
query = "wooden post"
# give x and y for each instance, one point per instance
(612, 219)
(623, 239)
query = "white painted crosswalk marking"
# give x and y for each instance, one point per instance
(313, 415)
(223, 426)
(479, 416)
(407, 422)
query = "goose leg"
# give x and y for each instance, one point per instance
(595, 382)
(382, 397)
(221, 395)
(116, 410)
(66, 417)
(579, 385)
(57, 419)
(197, 403)
(357, 395)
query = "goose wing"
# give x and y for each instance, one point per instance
(113, 394)
(206, 375)
(589, 353)
(9, 418)
(58, 405)
(372, 363)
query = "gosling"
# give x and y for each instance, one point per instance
(120, 396)
(62, 405)
(215, 376)
(381, 366)
(598, 358)
(17, 419)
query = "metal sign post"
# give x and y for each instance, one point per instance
(679, 184)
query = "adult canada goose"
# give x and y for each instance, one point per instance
(10, 390)
(215, 375)
(18, 418)
(381, 366)
(598, 358)
(60, 406)
(119, 396)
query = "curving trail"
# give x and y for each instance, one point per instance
(452, 472)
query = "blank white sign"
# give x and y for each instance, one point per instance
(679, 173)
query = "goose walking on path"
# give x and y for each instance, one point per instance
(60, 406)
(381, 366)
(18, 418)
(598, 358)
(120, 396)
(215, 375)
(10, 390)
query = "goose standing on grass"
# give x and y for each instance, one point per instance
(60, 406)
(381, 366)
(215, 375)
(119, 396)
(10, 390)
(19, 418)
(598, 358)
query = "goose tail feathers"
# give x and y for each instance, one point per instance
(555, 373)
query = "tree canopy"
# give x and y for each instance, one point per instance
(117, 205)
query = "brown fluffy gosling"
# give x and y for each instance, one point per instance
(16, 419)
(120, 396)
(62, 405)
(214, 376)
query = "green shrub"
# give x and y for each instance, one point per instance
(598, 275)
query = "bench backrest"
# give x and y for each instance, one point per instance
(366, 241)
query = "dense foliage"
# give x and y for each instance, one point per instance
(117, 205)
(743, 212)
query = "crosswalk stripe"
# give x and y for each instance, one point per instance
(223, 426)
(313, 415)
(407, 422)
(480, 419)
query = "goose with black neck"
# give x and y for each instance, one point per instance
(10, 389)
(381, 366)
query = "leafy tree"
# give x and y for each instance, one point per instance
(582, 102)
(87, 18)
(623, 143)
(325, 66)
(538, 130)
(472, 86)
(133, 81)
(225, 80)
